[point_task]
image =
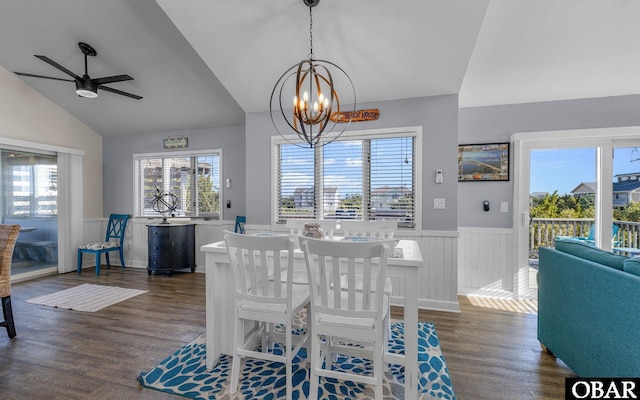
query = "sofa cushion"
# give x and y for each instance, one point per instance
(632, 265)
(589, 252)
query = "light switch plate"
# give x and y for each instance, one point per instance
(504, 206)
(439, 204)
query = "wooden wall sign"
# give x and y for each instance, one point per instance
(176, 142)
(358, 116)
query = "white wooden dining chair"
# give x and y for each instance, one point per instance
(296, 226)
(342, 313)
(368, 229)
(263, 296)
(371, 230)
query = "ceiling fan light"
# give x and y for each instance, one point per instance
(86, 89)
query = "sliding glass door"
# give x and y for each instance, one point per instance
(606, 204)
(562, 195)
(626, 198)
(30, 199)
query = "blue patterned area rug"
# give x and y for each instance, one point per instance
(184, 373)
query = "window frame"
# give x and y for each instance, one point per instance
(382, 133)
(176, 154)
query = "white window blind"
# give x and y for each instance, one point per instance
(354, 177)
(392, 180)
(296, 182)
(192, 179)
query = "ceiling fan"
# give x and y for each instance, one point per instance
(85, 86)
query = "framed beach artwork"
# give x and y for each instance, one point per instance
(483, 162)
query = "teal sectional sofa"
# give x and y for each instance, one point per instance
(589, 309)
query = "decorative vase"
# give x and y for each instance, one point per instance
(313, 230)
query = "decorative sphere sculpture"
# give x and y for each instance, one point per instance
(165, 204)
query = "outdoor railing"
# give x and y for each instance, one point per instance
(542, 232)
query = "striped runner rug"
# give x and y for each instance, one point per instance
(86, 297)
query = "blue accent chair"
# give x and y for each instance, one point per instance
(240, 221)
(591, 237)
(115, 230)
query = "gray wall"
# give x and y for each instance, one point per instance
(118, 164)
(498, 123)
(438, 117)
(248, 161)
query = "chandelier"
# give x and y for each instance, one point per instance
(310, 98)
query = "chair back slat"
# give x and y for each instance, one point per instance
(380, 230)
(328, 260)
(258, 264)
(116, 227)
(241, 220)
(296, 226)
(335, 283)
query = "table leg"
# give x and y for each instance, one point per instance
(213, 327)
(411, 287)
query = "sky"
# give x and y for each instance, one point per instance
(564, 169)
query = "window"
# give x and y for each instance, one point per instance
(31, 183)
(188, 182)
(363, 176)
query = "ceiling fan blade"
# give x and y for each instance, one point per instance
(58, 66)
(111, 79)
(116, 91)
(42, 76)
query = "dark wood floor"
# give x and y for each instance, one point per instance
(62, 354)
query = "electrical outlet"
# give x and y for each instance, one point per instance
(439, 204)
(504, 206)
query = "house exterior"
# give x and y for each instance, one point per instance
(626, 188)
(383, 197)
(304, 198)
(584, 188)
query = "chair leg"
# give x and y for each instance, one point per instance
(122, 257)
(79, 261)
(8, 317)
(314, 366)
(289, 360)
(237, 359)
(97, 263)
(106, 255)
(378, 369)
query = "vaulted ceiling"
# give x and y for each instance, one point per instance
(205, 63)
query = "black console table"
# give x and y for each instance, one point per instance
(171, 247)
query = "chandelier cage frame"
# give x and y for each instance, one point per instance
(312, 108)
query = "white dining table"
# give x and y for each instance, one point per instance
(404, 266)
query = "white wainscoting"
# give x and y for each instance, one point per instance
(135, 246)
(206, 232)
(485, 264)
(439, 277)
